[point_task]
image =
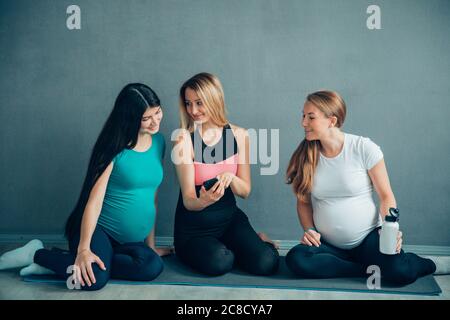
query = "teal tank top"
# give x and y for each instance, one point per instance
(128, 211)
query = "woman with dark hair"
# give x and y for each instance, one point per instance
(111, 229)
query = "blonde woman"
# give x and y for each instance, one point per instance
(211, 232)
(333, 175)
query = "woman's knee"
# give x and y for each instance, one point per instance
(398, 273)
(266, 263)
(101, 279)
(298, 260)
(212, 259)
(219, 263)
(151, 269)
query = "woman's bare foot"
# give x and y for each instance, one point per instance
(265, 238)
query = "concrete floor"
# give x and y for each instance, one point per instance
(13, 288)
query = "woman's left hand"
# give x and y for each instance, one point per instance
(399, 241)
(226, 178)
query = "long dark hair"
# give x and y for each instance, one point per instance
(119, 132)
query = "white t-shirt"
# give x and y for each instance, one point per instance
(344, 211)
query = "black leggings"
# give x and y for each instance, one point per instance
(327, 261)
(238, 244)
(130, 261)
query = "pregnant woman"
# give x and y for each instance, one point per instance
(333, 175)
(211, 232)
(111, 229)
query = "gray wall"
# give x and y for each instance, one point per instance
(58, 86)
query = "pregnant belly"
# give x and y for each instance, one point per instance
(130, 224)
(345, 222)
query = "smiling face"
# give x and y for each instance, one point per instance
(315, 122)
(151, 120)
(195, 107)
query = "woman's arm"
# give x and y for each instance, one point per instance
(241, 182)
(305, 214)
(150, 240)
(85, 257)
(93, 209)
(380, 179)
(182, 156)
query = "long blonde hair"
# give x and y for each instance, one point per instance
(209, 89)
(304, 160)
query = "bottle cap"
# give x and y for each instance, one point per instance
(393, 215)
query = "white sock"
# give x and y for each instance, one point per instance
(34, 268)
(442, 264)
(20, 257)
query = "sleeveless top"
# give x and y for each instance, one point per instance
(209, 161)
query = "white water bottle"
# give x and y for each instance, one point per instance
(389, 232)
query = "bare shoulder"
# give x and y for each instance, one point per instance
(239, 132)
(183, 150)
(182, 136)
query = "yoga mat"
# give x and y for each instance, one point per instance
(176, 273)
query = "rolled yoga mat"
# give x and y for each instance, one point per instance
(176, 273)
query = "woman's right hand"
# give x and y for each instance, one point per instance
(83, 266)
(213, 194)
(311, 238)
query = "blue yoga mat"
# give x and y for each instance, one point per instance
(176, 273)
